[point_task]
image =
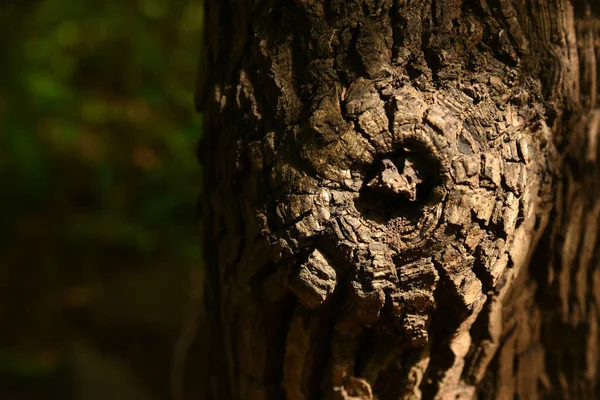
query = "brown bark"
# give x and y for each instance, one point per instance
(401, 199)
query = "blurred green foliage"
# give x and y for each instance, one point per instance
(98, 169)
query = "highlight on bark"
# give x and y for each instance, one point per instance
(402, 199)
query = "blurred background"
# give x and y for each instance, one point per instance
(99, 186)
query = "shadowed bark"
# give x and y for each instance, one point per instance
(401, 199)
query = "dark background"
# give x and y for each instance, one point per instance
(99, 186)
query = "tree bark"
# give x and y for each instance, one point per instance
(401, 199)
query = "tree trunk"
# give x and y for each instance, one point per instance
(401, 199)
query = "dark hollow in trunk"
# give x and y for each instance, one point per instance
(401, 199)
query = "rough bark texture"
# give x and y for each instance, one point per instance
(402, 199)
